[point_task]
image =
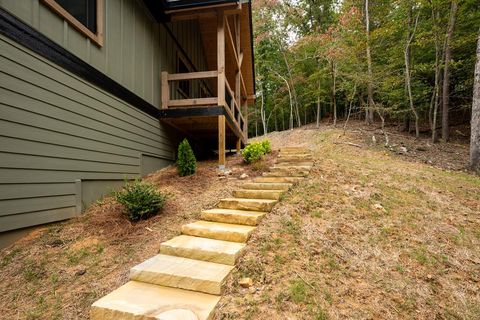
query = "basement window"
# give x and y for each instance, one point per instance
(84, 15)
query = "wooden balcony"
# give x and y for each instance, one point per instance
(211, 106)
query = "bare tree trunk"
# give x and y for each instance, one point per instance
(446, 74)
(290, 96)
(410, 37)
(475, 122)
(318, 102)
(294, 94)
(263, 115)
(350, 108)
(370, 103)
(435, 95)
(334, 92)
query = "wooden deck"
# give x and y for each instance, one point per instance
(215, 114)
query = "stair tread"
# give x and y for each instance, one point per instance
(234, 216)
(250, 200)
(218, 230)
(205, 249)
(235, 211)
(141, 300)
(180, 272)
(266, 186)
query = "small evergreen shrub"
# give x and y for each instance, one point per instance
(254, 151)
(186, 162)
(266, 146)
(140, 199)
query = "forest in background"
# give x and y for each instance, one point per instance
(404, 62)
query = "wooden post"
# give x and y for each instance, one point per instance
(221, 57)
(245, 117)
(239, 145)
(165, 90)
(221, 142)
(239, 66)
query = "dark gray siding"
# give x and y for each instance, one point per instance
(56, 128)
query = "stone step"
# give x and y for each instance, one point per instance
(279, 179)
(144, 301)
(294, 158)
(258, 194)
(275, 172)
(218, 231)
(249, 218)
(291, 166)
(266, 186)
(263, 205)
(182, 273)
(295, 164)
(204, 249)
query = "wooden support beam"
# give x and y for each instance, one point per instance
(245, 112)
(192, 75)
(221, 57)
(165, 90)
(193, 102)
(238, 73)
(239, 145)
(231, 42)
(221, 142)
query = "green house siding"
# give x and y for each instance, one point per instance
(64, 142)
(56, 128)
(136, 48)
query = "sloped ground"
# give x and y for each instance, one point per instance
(371, 235)
(59, 270)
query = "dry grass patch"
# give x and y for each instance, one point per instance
(369, 235)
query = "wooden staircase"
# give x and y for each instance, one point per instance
(184, 281)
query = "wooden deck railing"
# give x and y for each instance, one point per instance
(229, 103)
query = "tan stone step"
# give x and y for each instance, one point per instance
(285, 173)
(294, 158)
(247, 204)
(218, 231)
(258, 194)
(266, 186)
(144, 301)
(279, 179)
(249, 218)
(218, 251)
(290, 164)
(183, 273)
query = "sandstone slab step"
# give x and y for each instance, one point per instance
(204, 249)
(247, 204)
(183, 273)
(249, 218)
(294, 158)
(218, 231)
(144, 301)
(278, 179)
(258, 194)
(286, 173)
(266, 186)
(290, 164)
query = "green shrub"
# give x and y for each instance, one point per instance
(254, 151)
(186, 162)
(266, 146)
(140, 199)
